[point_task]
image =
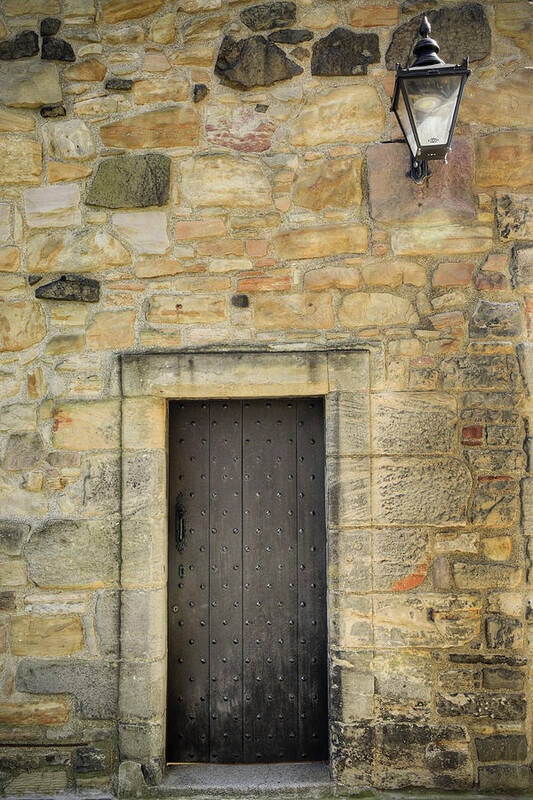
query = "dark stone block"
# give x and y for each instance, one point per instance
(301, 53)
(502, 748)
(491, 705)
(480, 372)
(57, 50)
(199, 92)
(50, 26)
(343, 52)
(12, 535)
(93, 683)
(269, 15)
(7, 601)
(89, 759)
(497, 319)
(240, 301)
(253, 62)
(291, 36)
(502, 632)
(33, 279)
(504, 778)
(444, 759)
(119, 84)
(70, 287)
(53, 111)
(23, 45)
(131, 182)
(460, 31)
(261, 108)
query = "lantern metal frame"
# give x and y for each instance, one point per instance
(427, 65)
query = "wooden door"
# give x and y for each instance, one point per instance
(247, 660)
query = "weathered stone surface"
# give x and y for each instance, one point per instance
(9, 259)
(505, 778)
(14, 121)
(159, 90)
(54, 49)
(504, 633)
(503, 678)
(363, 309)
(522, 267)
(204, 28)
(498, 101)
(413, 422)
(23, 451)
(174, 127)
(70, 287)
(92, 425)
(69, 140)
(131, 182)
(12, 534)
(12, 8)
(400, 560)
(448, 239)
(316, 280)
(43, 712)
(41, 636)
(92, 683)
(254, 61)
(495, 503)
(494, 706)
(89, 759)
(290, 35)
(241, 129)
(514, 20)
(495, 319)
(504, 159)
(59, 172)
(460, 31)
(224, 180)
(430, 491)
(335, 183)
(321, 242)
(107, 622)
(22, 324)
(344, 114)
(22, 45)
(348, 493)
(269, 15)
(343, 52)
(480, 372)
(453, 273)
(75, 251)
(183, 310)
(514, 216)
(447, 198)
(111, 330)
(199, 92)
(293, 311)
(53, 206)
(29, 85)
(119, 84)
(21, 160)
(371, 16)
(145, 230)
(53, 111)
(50, 26)
(74, 554)
(121, 10)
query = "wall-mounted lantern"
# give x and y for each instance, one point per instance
(426, 101)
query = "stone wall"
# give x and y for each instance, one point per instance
(198, 174)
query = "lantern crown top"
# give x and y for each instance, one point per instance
(426, 49)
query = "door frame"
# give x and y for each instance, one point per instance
(148, 381)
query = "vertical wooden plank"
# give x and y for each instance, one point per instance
(225, 553)
(312, 616)
(188, 584)
(270, 585)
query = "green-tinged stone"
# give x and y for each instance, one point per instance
(131, 182)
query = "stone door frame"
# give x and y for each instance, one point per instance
(148, 382)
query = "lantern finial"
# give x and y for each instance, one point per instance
(425, 27)
(426, 49)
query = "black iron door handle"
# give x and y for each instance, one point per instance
(180, 525)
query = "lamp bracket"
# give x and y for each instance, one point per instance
(419, 171)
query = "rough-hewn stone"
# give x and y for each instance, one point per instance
(293, 312)
(221, 180)
(55, 49)
(504, 778)
(22, 45)
(22, 324)
(344, 114)
(504, 159)
(269, 15)
(241, 129)
(12, 534)
(23, 451)
(121, 10)
(70, 287)
(53, 206)
(522, 267)
(321, 241)
(450, 239)
(254, 61)
(49, 26)
(343, 52)
(75, 251)
(40, 636)
(21, 161)
(174, 127)
(291, 35)
(145, 230)
(131, 182)
(335, 183)
(413, 422)
(514, 20)
(119, 84)
(29, 85)
(69, 140)
(514, 216)
(363, 309)
(495, 319)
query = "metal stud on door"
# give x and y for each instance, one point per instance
(247, 602)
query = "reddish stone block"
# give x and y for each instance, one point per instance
(221, 247)
(490, 281)
(453, 273)
(257, 248)
(264, 284)
(472, 435)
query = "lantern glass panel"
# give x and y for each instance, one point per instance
(405, 122)
(433, 100)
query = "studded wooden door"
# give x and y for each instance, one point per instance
(247, 659)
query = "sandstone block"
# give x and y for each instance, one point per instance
(75, 251)
(58, 172)
(514, 216)
(15, 121)
(348, 423)
(453, 273)
(334, 183)
(111, 330)
(500, 101)
(413, 422)
(91, 69)
(158, 267)
(224, 180)
(163, 29)
(480, 372)
(69, 140)
(514, 20)
(121, 10)
(14, 572)
(144, 423)
(321, 242)
(29, 85)
(160, 90)
(348, 487)
(504, 159)
(200, 229)
(344, 114)
(145, 230)
(9, 259)
(372, 16)
(404, 621)
(495, 319)
(43, 712)
(144, 553)
(53, 206)
(242, 129)
(22, 324)
(143, 624)
(522, 267)
(149, 676)
(23, 451)
(446, 238)
(93, 683)
(495, 503)
(5, 221)
(12, 535)
(400, 560)
(143, 488)
(46, 636)
(186, 309)
(316, 280)
(447, 198)
(349, 560)
(505, 778)
(362, 309)
(92, 425)
(293, 312)
(174, 127)
(422, 491)
(21, 161)
(512, 747)
(74, 554)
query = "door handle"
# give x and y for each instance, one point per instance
(180, 526)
